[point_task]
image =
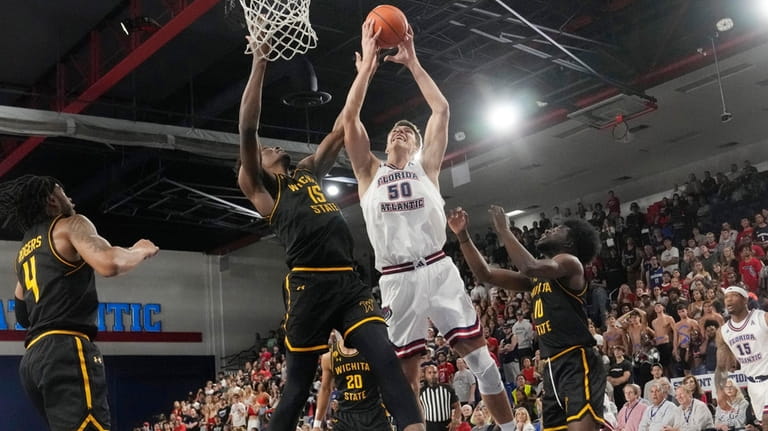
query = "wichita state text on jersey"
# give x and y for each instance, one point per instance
(353, 377)
(312, 229)
(59, 294)
(558, 317)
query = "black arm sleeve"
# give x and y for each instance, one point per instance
(20, 309)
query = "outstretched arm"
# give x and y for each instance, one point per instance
(436, 133)
(355, 136)
(458, 221)
(250, 175)
(558, 267)
(107, 260)
(326, 153)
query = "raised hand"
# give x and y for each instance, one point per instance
(499, 219)
(259, 51)
(147, 247)
(458, 220)
(406, 52)
(369, 57)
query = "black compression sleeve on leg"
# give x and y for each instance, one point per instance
(372, 341)
(301, 368)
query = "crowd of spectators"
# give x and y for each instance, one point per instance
(671, 259)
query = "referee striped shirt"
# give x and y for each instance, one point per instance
(437, 401)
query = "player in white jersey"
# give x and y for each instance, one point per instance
(406, 225)
(744, 340)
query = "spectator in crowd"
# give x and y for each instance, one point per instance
(749, 268)
(670, 257)
(761, 231)
(524, 395)
(688, 337)
(613, 336)
(628, 418)
(696, 414)
(464, 383)
(661, 414)
(619, 374)
(523, 420)
(731, 414)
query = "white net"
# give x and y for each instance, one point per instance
(283, 24)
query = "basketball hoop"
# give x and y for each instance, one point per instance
(282, 24)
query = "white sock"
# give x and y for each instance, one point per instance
(509, 426)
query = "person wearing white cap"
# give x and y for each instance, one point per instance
(744, 338)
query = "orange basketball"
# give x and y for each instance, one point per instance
(393, 25)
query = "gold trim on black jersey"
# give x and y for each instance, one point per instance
(576, 296)
(51, 246)
(588, 406)
(322, 269)
(287, 287)
(277, 199)
(91, 420)
(587, 395)
(304, 349)
(82, 264)
(285, 322)
(56, 332)
(366, 320)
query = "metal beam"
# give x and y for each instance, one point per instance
(133, 60)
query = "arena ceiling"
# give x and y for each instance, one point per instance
(186, 68)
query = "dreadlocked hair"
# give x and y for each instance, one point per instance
(25, 199)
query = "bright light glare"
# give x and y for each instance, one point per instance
(502, 117)
(762, 5)
(332, 190)
(514, 213)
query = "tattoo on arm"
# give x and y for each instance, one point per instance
(83, 230)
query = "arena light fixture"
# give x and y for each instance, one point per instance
(514, 213)
(724, 24)
(502, 117)
(332, 190)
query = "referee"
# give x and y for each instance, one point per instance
(441, 405)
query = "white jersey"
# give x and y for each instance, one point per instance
(748, 340)
(404, 215)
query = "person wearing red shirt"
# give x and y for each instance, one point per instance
(445, 369)
(529, 372)
(178, 425)
(493, 344)
(747, 231)
(749, 268)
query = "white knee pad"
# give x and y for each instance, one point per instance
(484, 368)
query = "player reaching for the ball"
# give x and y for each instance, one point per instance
(574, 377)
(403, 210)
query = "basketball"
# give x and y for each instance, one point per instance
(393, 25)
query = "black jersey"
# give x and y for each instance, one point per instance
(558, 317)
(310, 227)
(358, 389)
(59, 295)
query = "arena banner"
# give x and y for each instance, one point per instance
(707, 381)
(116, 321)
